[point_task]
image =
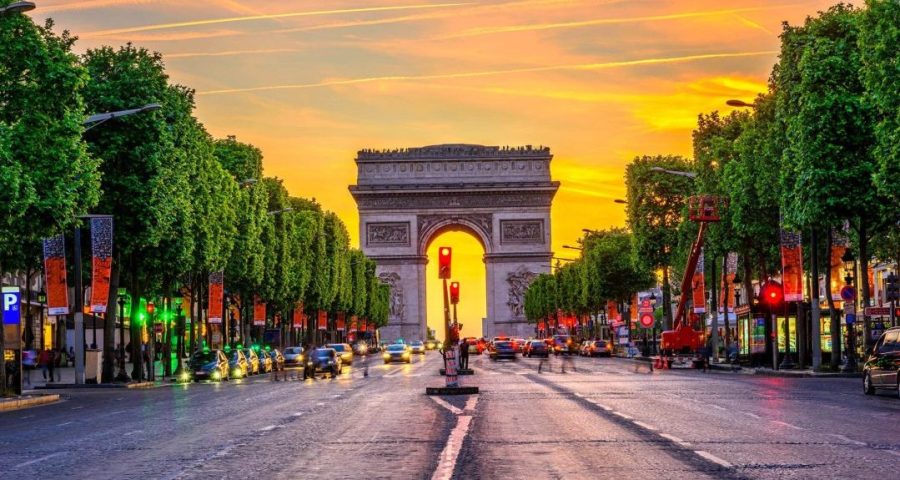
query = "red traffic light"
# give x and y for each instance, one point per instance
(150, 308)
(772, 295)
(444, 255)
(454, 292)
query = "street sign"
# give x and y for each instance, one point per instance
(850, 318)
(848, 293)
(647, 320)
(12, 303)
(879, 311)
(849, 308)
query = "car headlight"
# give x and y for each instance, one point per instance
(310, 363)
(216, 375)
(405, 354)
(185, 376)
(387, 356)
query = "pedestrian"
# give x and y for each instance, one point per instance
(72, 355)
(29, 360)
(704, 357)
(51, 365)
(463, 355)
(43, 361)
(568, 360)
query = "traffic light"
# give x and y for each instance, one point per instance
(444, 255)
(151, 307)
(454, 292)
(772, 296)
(892, 288)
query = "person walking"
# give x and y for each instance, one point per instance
(463, 355)
(43, 361)
(704, 356)
(51, 364)
(29, 359)
(72, 355)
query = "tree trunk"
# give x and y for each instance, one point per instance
(748, 278)
(667, 299)
(835, 318)
(725, 304)
(864, 280)
(137, 358)
(3, 379)
(29, 317)
(109, 325)
(815, 321)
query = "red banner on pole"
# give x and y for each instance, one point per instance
(216, 297)
(353, 322)
(362, 324)
(839, 243)
(101, 262)
(698, 284)
(55, 273)
(792, 266)
(259, 311)
(322, 323)
(297, 319)
(730, 271)
(340, 325)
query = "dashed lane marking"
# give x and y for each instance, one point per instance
(133, 432)
(713, 458)
(753, 415)
(41, 459)
(64, 424)
(297, 414)
(785, 424)
(268, 428)
(847, 439)
(674, 439)
(644, 425)
(717, 407)
(319, 404)
(445, 404)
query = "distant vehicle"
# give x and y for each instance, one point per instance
(882, 368)
(563, 344)
(417, 347)
(500, 339)
(294, 357)
(430, 345)
(537, 348)
(238, 364)
(277, 360)
(397, 352)
(519, 344)
(476, 346)
(502, 349)
(209, 364)
(253, 360)
(325, 360)
(344, 351)
(265, 362)
(596, 348)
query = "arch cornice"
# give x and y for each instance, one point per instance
(481, 225)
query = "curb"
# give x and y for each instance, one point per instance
(782, 373)
(66, 386)
(29, 401)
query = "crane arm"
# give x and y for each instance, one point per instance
(686, 282)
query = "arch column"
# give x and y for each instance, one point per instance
(406, 276)
(508, 275)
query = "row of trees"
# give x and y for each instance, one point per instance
(607, 271)
(818, 151)
(184, 203)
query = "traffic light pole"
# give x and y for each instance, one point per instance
(446, 315)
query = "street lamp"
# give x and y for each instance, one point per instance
(17, 7)
(620, 201)
(570, 247)
(120, 296)
(591, 232)
(276, 212)
(849, 262)
(674, 172)
(100, 118)
(740, 104)
(737, 291)
(247, 182)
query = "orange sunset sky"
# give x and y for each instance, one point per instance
(311, 82)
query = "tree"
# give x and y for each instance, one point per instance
(655, 205)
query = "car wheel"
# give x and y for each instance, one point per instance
(868, 388)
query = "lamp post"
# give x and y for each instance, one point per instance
(17, 7)
(122, 376)
(739, 104)
(179, 330)
(849, 262)
(101, 118)
(620, 201)
(570, 247)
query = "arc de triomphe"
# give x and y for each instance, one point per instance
(502, 196)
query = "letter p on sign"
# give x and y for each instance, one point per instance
(11, 298)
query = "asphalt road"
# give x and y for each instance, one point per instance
(606, 419)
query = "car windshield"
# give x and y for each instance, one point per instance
(502, 344)
(417, 344)
(600, 343)
(324, 353)
(561, 339)
(236, 355)
(247, 353)
(338, 347)
(205, 357)
(396, 348)
(537, 344)
(293, 351)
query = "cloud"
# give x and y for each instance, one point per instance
(251, 18)
(485, 73)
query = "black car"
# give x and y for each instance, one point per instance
(209, 364)
(325, 360)
(537, 348)
(278, 361)
(882, 369)
(502, 349)
(238, 364)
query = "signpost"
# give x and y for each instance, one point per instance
(12, 343)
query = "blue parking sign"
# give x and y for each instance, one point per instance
(12, 304)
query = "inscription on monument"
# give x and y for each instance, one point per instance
(521, 231)
(387, 234)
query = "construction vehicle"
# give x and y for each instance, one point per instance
(681, 345)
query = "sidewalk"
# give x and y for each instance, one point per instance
(65, 378)
(25, 401)
(805, 373)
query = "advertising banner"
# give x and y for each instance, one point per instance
(101, 262)
(259, 311)
(362, 324)
(216, 297)
(55, 272)
(730, 270)
(792, 266)
(340, 324)
(699, 287)
(839, 243)
(297, 318)
(634, 309)
(353, 323)
(322, 320)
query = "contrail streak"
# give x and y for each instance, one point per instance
(601, 21)
(251, 18)
(582, 66)
(228, 53)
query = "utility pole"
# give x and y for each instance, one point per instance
(79, 312)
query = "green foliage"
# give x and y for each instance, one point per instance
(541, 298)
(611, 271)
(242, 160)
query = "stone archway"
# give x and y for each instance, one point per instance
(407, 197)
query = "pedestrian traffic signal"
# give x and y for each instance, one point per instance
(892, 288)
(454, 292)
(772, 296)
(444, 254)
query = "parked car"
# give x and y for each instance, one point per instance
(265, 362)
(344, 351)
(417, 347)
(537, 348)
(209, 364)
(519, 344)
(882, 368)
(253, 360)
(397, 352)
(294, 357)
(596, 348)
(325, 360)
(502, 349)
(238, 364)
(277, 360)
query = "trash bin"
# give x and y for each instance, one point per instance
(93, 365)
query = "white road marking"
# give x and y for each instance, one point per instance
(26, 416)
(76, 408)
(470, 403)
(643, 425)
(133, 432)
(717, 407)
(713, 458)
(268, 429)
(450, 453)
(297, 414)
(64, 424)
(116, 412)
(608, 409)
(579, 395)
(787, 425)
(674, 439)
(319, 404)
(626, 417)
(846, 439)
(753, 415)
(41, 459)
(445, 404)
